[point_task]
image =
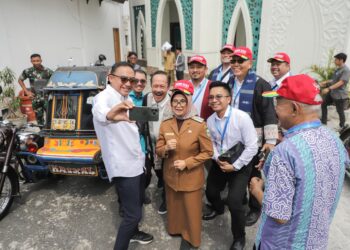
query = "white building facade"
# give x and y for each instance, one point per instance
(64, 32)
(305, 29)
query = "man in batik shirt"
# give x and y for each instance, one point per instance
(304, 173)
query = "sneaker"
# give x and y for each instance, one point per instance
(162, 208)
(142, 238)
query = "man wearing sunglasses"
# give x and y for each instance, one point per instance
(121, 151)
(247, 89)
(137, 89)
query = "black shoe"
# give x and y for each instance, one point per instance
(210, 214)
(252, 218)
(160, 183)
(147, 200)
(162, 208)
(142, 238)
(238, 244)
(185, 245)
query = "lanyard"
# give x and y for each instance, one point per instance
(236, 93)
(275, 86)
(218, 77)
(306, 125)
(200, 90)
(218, 128)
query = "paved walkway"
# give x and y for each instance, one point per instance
(80, 213)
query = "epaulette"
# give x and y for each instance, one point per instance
(197, 119)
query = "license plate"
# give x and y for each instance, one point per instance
(78, 171)
(63, 124)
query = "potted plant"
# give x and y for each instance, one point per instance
(324, 73)
(8, 98)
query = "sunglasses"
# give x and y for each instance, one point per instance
(142, 81)
(125, 79)
(239, 61)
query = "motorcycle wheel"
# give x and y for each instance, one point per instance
(8, 192)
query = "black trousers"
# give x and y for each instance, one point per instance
(339, 105)
(179, 75)
(254, 205)
(237, 184)
(131, 191)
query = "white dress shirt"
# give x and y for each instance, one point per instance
(240, 128)
(198, 94)
(276, 84)
(236, 90)
(119, 141)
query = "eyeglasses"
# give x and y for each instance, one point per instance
(125, 79)
(239, 61)
(216, 97)
(142, 81)
(181, 102)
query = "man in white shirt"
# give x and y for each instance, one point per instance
(280, 69)
(121, 151)
(227, 127)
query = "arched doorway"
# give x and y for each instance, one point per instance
(240, 34)
(170, 27)
(240, 29)
(141, 36)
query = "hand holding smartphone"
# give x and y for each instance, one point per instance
(144, 114)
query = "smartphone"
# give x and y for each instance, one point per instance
(144, 114)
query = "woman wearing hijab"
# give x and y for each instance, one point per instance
(185, 145)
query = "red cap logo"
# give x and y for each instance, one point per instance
(280, 56)
(198, 59)
(244, 53)
(185, 86)
(301, 88)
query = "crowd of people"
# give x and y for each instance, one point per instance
(262, 140)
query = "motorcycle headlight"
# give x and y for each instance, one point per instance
(26, 142)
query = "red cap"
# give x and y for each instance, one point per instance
(281, 57)
(185, 86)
(198, 59)
(243, 52)
(301, 88)
(228, 47)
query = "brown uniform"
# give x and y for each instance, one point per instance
(184, 188)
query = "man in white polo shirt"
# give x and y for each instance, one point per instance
(121, 151)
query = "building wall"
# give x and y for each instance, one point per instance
(306, 30)
(59, 30)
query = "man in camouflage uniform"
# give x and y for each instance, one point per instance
(35, 74)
